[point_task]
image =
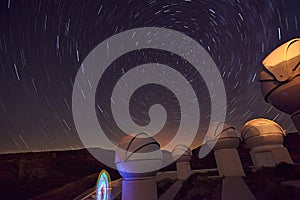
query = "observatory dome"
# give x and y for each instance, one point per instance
(280, 79)
(182, 153)
(227, 138)
(258, 132)
(138, 156)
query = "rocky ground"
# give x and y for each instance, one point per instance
(28, 175)
(265, 184)
(66, 174)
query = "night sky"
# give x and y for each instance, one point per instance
(43, 43)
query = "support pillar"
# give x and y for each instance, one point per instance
(296, 119)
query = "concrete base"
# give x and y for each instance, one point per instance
(183, 170)
(296, 119)
(138, 189)
(268, 156)
(229, 163)
(234, 188)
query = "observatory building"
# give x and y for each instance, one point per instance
(182, 155)
(138, 159)
(265, 138)
(280, 80)
(225, 142)
(225, 151)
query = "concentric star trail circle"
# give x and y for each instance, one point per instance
(97, 61)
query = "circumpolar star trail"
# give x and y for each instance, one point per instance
(43, 43)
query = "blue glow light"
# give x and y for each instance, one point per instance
(103, 186)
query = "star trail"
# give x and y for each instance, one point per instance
(43, 43)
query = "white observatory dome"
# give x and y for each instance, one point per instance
(182, 153)
(258, 132)
(138, 156)
(226, 139)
